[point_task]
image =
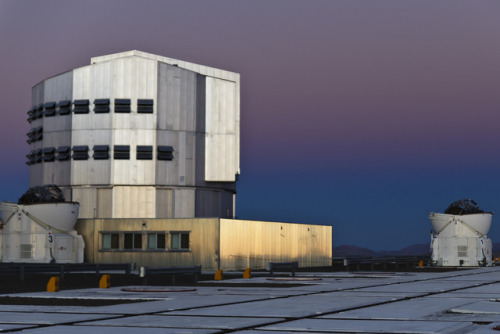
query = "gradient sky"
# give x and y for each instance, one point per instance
(364, 115)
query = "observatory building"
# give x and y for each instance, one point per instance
(459, 236)
(135, 135)
(149, 146)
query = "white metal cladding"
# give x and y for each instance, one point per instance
(221, 130)
(186, 116)
(164, 202)
(177, 99)
(253, 244)
(204, 70)
(133, 202)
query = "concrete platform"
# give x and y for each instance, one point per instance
(466, 301)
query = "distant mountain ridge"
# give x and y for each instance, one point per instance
(413, 250)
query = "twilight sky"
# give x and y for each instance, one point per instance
(364, 115)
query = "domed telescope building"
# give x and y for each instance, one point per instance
(459, 236)
(149, 147)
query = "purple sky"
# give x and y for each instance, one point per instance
(365, 115)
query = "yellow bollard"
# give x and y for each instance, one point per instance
(53, 285)
(247, 273)
(218, 275)
(105, 281)
(421, 264)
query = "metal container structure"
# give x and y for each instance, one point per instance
(459, 236)
(136, 135)
(40, 233)
(213, 243)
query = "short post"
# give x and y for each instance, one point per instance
(247, 273)
(53, 285)
(105, 281)
(218, 275)
(143, 274)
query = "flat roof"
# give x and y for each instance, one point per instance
(463, 301)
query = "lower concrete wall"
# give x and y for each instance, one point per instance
(253, 244)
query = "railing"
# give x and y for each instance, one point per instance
(145, 272)
(22, 269)
(283, 266)
(378, 263)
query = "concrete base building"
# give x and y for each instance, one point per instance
(149, 147)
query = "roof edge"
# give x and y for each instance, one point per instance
(201, 69)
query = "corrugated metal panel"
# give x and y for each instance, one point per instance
(105, 202)
(91, 172)
(208, 203)
(38, 94)
(133, 171)
(86, 196)
(205, 70)
(220, 149)
(255, 243)
(242, 243)
(134, 202)
(59, 87)
(204, 241)
(164, 201)
(167, 172)
(176, 98)
(184, 200)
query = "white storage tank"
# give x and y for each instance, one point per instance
(459, 236)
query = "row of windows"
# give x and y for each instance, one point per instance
(172, 241)
(101, 152)
(101, 106)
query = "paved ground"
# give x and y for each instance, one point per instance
(466, 301)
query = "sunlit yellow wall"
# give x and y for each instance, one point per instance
(253, 244)
(240, 243)
(203, 242)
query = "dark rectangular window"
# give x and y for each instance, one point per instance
(132, 241)
(31, 136)
(31, 114)
(48, 154)
(37, 156)
(122, 105)
(101, 152)
(80, 152)
(156, 240)
(39, 111)
(81, 107)
(144, 106)
(101, 106)
(64, 107)
(144, 152)
(49, 109)
(31, 158)
(165, 153)
(63, 153)
(179, 240)
(38, 134)
(110, 241)
(121, 152)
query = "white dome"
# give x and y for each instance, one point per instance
(479, 222)
(62, 216)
